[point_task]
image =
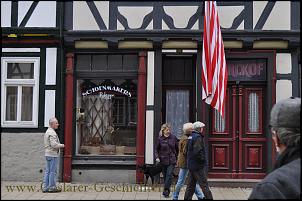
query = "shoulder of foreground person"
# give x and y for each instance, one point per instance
(282, 183)
(266, 190)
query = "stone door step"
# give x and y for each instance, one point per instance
(233, 183)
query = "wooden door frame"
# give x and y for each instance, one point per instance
(191, 86)
(270, 83)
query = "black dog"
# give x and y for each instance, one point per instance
(151, 170)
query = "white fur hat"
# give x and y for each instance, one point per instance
(198, 124)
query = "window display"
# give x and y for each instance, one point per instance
(106, 117)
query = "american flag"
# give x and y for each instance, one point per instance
(214, 72)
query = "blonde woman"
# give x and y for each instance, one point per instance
(166, 152)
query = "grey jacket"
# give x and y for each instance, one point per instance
(52, 143)
(285, 181)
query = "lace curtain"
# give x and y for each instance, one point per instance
(253, 113)
(177, 110)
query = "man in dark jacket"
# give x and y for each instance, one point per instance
(284, 181)
(196, 161)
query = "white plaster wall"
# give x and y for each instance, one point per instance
(180, 15)
(149, 144)
(23, 7)
(283, 63)
(20, 49)
(82, 17)
(44, 14)
(150, 79)
(50, 106)
(134, 16)
(149, 149)
(227, 15)
(283, 89)
(103, 7)
(279, 18)
(51, 66)
(6, 13)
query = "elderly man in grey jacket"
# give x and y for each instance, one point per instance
(52, 147)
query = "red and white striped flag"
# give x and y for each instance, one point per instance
(214, 72)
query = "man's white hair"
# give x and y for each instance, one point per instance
(51, 120)
(187, 126)
(198, 124)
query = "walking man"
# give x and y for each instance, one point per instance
(196, 161)
(52, 147)
(182, 162)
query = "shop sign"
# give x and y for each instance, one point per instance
(106, 91)
(247, 70)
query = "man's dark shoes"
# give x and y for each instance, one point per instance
(44, 191)
(54, 190)
(166, 193)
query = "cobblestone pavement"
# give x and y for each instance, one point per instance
(105, 191)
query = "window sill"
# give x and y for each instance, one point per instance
(104, 160)
(18, 125)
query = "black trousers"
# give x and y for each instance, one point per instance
(200, 177)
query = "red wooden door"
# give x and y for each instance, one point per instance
(237, 144)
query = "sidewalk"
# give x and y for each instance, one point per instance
(105, 191)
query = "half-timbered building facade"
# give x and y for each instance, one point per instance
(113, 72)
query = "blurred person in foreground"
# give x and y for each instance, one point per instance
(284, 181)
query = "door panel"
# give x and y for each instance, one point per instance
(237, 143)
(252, 137)
(220, 141)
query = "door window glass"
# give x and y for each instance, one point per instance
(253, 113)
(219, 121)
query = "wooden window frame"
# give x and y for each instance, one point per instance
(19, 83)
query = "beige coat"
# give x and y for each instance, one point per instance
(181, 159)
(52, 143)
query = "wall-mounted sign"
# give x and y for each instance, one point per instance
(106, 91)
(247, 70)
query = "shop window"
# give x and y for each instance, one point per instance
(20, 84)
(106, 117)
